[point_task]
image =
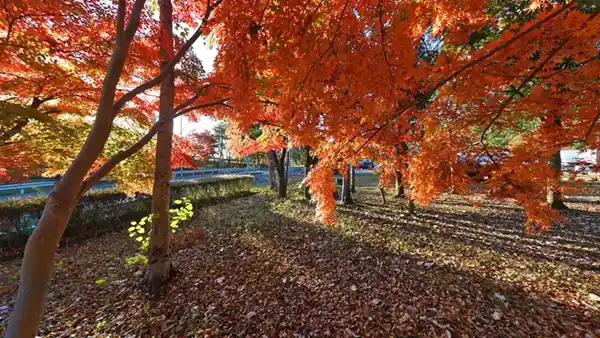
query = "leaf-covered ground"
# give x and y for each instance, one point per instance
(267, 269)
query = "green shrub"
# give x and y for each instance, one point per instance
(106, 210)
(183, 211)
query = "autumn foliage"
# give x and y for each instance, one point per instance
(357, 79)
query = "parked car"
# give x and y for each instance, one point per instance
(481, 167)
(366, 164)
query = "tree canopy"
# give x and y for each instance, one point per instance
(357, 79)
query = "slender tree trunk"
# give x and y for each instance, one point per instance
(282, 186)
(352, 179)
(288, 164)
(382, 194)
(346, 190)
(159, 265)
(399, 186)
(307, 164)
(554, 196)
(272, 167)
(411, 207)
(36, 267)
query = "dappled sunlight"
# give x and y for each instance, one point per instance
(267, 268)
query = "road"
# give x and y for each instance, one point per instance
(8, 191)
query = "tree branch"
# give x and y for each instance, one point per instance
(121, 21)
(94, 178)
(169, 67)
(134, 20)
(337, 29)
(520, 88)
(385, 57)
(499, 48)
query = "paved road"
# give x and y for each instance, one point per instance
(261, 177)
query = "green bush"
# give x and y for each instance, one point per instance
(107, 210)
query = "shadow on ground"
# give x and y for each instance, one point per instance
(266, 269)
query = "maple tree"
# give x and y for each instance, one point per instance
(203, 144)
(83, 172)
(354, 79)
(53, 59)
(160, 269)
(350, 79)
(264, 138)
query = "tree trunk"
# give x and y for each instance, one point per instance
(346, 191)
(307, 164)
(36, 267)
(282, 186)
(382, 194)
(399, 186)
(554, 196)
(159, 265)
(353, 179)
(272, 167)
(411, 207)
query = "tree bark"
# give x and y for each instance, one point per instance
(272, 167)
(411, 207)
(346, 190)
(307, 164)
(554, 196)
(36, 268)
(159, 265)
(282, 186)
(382, 194)
(20, 123)
(399, 186)
(352, 179)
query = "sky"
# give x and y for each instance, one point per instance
(183, 126)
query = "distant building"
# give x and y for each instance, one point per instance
(576, 160)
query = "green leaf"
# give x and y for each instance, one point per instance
(178, 202)
(133, 223)
(189, 207)
(100, 281)
(139, 238)
(131, 229)
(141, 230)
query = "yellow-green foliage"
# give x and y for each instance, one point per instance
(183, 211)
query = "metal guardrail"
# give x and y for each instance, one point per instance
(178, 175)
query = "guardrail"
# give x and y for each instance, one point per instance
(20, 189)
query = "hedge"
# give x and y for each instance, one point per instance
(107, 210)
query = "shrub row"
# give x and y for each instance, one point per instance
(107, 210)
